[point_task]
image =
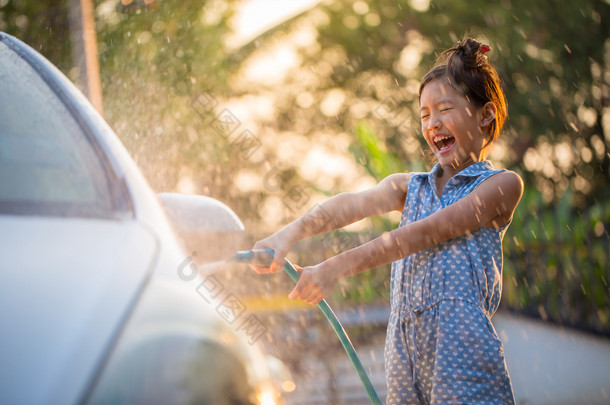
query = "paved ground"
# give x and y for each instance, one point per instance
(553, 365)
(548, 364)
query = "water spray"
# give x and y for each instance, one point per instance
(263, 258)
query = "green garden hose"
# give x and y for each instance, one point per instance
(263, 257)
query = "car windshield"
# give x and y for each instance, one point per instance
(47, 164)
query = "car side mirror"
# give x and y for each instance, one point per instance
(204, 225)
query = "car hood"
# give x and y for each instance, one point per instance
(66, 287)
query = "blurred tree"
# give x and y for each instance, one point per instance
(42, 25)
(557, 84)
(372, 55)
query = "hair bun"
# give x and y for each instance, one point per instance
(466, 52)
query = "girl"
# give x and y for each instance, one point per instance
(447, 252)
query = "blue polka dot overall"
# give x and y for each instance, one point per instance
(441, 346)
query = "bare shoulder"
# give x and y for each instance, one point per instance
(396, 181)
(509, 175)
(508, 183)
(394, 190)
(502, 193)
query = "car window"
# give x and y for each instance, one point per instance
(47, 163)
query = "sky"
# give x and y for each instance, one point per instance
(253, 17)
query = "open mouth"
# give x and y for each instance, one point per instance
(444, 142)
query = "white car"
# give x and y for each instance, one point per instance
(99, 301)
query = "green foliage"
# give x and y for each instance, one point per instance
(169, 45)
(42, 25)
(557, 262)
(552, 78)
(369, 150)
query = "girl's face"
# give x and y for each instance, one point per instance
(453, 127)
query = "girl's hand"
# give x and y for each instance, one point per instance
(315, 283)
(280, 244)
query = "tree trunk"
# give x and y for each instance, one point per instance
(84, 51)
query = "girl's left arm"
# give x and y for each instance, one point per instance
(490, 205)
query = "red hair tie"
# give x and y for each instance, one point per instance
(482, 59)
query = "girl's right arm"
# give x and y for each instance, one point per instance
(335, 213)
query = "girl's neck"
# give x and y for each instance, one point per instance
(447, 172)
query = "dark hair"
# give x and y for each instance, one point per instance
(466, 69)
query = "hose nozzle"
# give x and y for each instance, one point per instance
(257, 257)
